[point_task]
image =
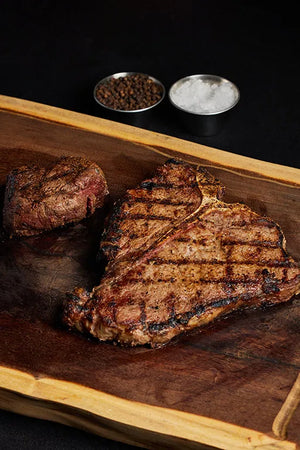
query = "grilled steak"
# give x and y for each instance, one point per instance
(178, 257)
(42, 198)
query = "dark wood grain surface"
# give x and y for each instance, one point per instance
(238, 370)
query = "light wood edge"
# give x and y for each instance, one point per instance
(165, 421)
(287, 410)
(150, 138)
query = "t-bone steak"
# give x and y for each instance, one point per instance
(178, 257)
(38, 198)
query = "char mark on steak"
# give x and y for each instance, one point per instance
(156, 206)
(38, 199)
(178, 257)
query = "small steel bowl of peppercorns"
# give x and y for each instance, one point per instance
(128, 96)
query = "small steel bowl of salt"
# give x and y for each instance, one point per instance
(204, 102)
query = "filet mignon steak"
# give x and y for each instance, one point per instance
(178, 257)
(38, 199)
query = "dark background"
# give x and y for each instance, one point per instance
(54, 53)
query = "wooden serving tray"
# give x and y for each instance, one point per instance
(232, 385)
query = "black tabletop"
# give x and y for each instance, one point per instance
(54, 53)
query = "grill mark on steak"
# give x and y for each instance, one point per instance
(199, 280)
(149, 185)
(162, 201)
(135, 217)
(256, 243)
(228, 279)
(181, 262)
(143, 314)
(171, 275)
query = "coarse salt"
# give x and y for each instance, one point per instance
(204, 97)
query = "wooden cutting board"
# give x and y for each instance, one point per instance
(233, 385)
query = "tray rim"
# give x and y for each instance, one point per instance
(145, 137)
(166, 421)
(170, 422)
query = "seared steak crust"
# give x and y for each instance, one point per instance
(156, 206)
(42, 198)
(178, 257)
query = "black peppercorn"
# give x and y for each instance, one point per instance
(129, 93)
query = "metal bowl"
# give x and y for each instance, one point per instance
(135, 116)
(204, 123)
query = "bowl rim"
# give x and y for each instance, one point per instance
(215, 78)
(123, 74)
